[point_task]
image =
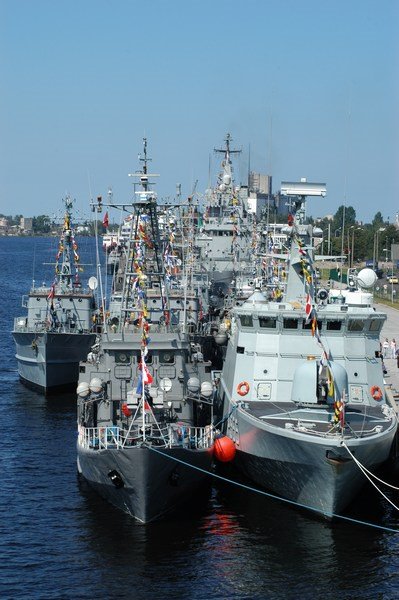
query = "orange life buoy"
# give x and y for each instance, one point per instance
(376, 392)
(243, 388)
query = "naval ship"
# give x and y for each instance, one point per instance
(58, 330)
(302, 384)
(224, 241)
(145, 392)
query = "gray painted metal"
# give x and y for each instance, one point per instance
(284, 427)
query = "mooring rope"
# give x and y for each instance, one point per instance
(365, 473)
(369, 472)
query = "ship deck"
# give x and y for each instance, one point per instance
(318, 419)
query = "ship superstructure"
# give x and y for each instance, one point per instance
(302, 385)
(145, 393)
(59, 327)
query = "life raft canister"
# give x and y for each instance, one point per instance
(243, 388)
(376, 392)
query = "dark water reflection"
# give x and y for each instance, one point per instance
(60, 540)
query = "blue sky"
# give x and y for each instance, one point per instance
(312, 88)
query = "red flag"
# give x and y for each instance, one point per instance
(51, 293)
(105, 220)
(308, 305)
(147, 375)
(126, 410)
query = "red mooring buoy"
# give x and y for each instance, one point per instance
(224, 449)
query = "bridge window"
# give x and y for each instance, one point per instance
(268, 322)
(246, 320)
(355, 325)
(166, 357)
(290, 323)
(334, 325)
(122, 357)
(375, 325)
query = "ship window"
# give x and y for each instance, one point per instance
(166, 357)
(306, 325)
(268, 322)
(122, 357)
(246, 320)
(375, 325)
(240, 349)
(334, 325)
(355, 325)
(290, 323)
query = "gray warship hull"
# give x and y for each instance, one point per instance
(50, 361)
(311, 471)
(148, 483)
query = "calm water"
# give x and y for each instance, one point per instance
(59, 540)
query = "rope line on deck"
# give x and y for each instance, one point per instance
(275, 497)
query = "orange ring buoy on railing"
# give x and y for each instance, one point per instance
(376, 392)
(243, 388)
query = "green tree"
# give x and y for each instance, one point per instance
(378, 220)
(41, 224)
(350, 217)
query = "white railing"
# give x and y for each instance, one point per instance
(169, 436)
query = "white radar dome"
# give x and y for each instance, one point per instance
(206, 389)
(83, 389)
(96, 385)
(366, 278)
(193, 384)
(93, 283)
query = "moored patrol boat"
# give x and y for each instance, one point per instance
(57, 331)
(302, 385)
(145, 392)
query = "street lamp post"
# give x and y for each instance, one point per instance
(376, 246)
(352, 247)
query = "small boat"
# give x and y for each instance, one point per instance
(145, 392)
(58, 330)
(302, 386)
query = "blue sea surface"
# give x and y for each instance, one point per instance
(58, 539)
